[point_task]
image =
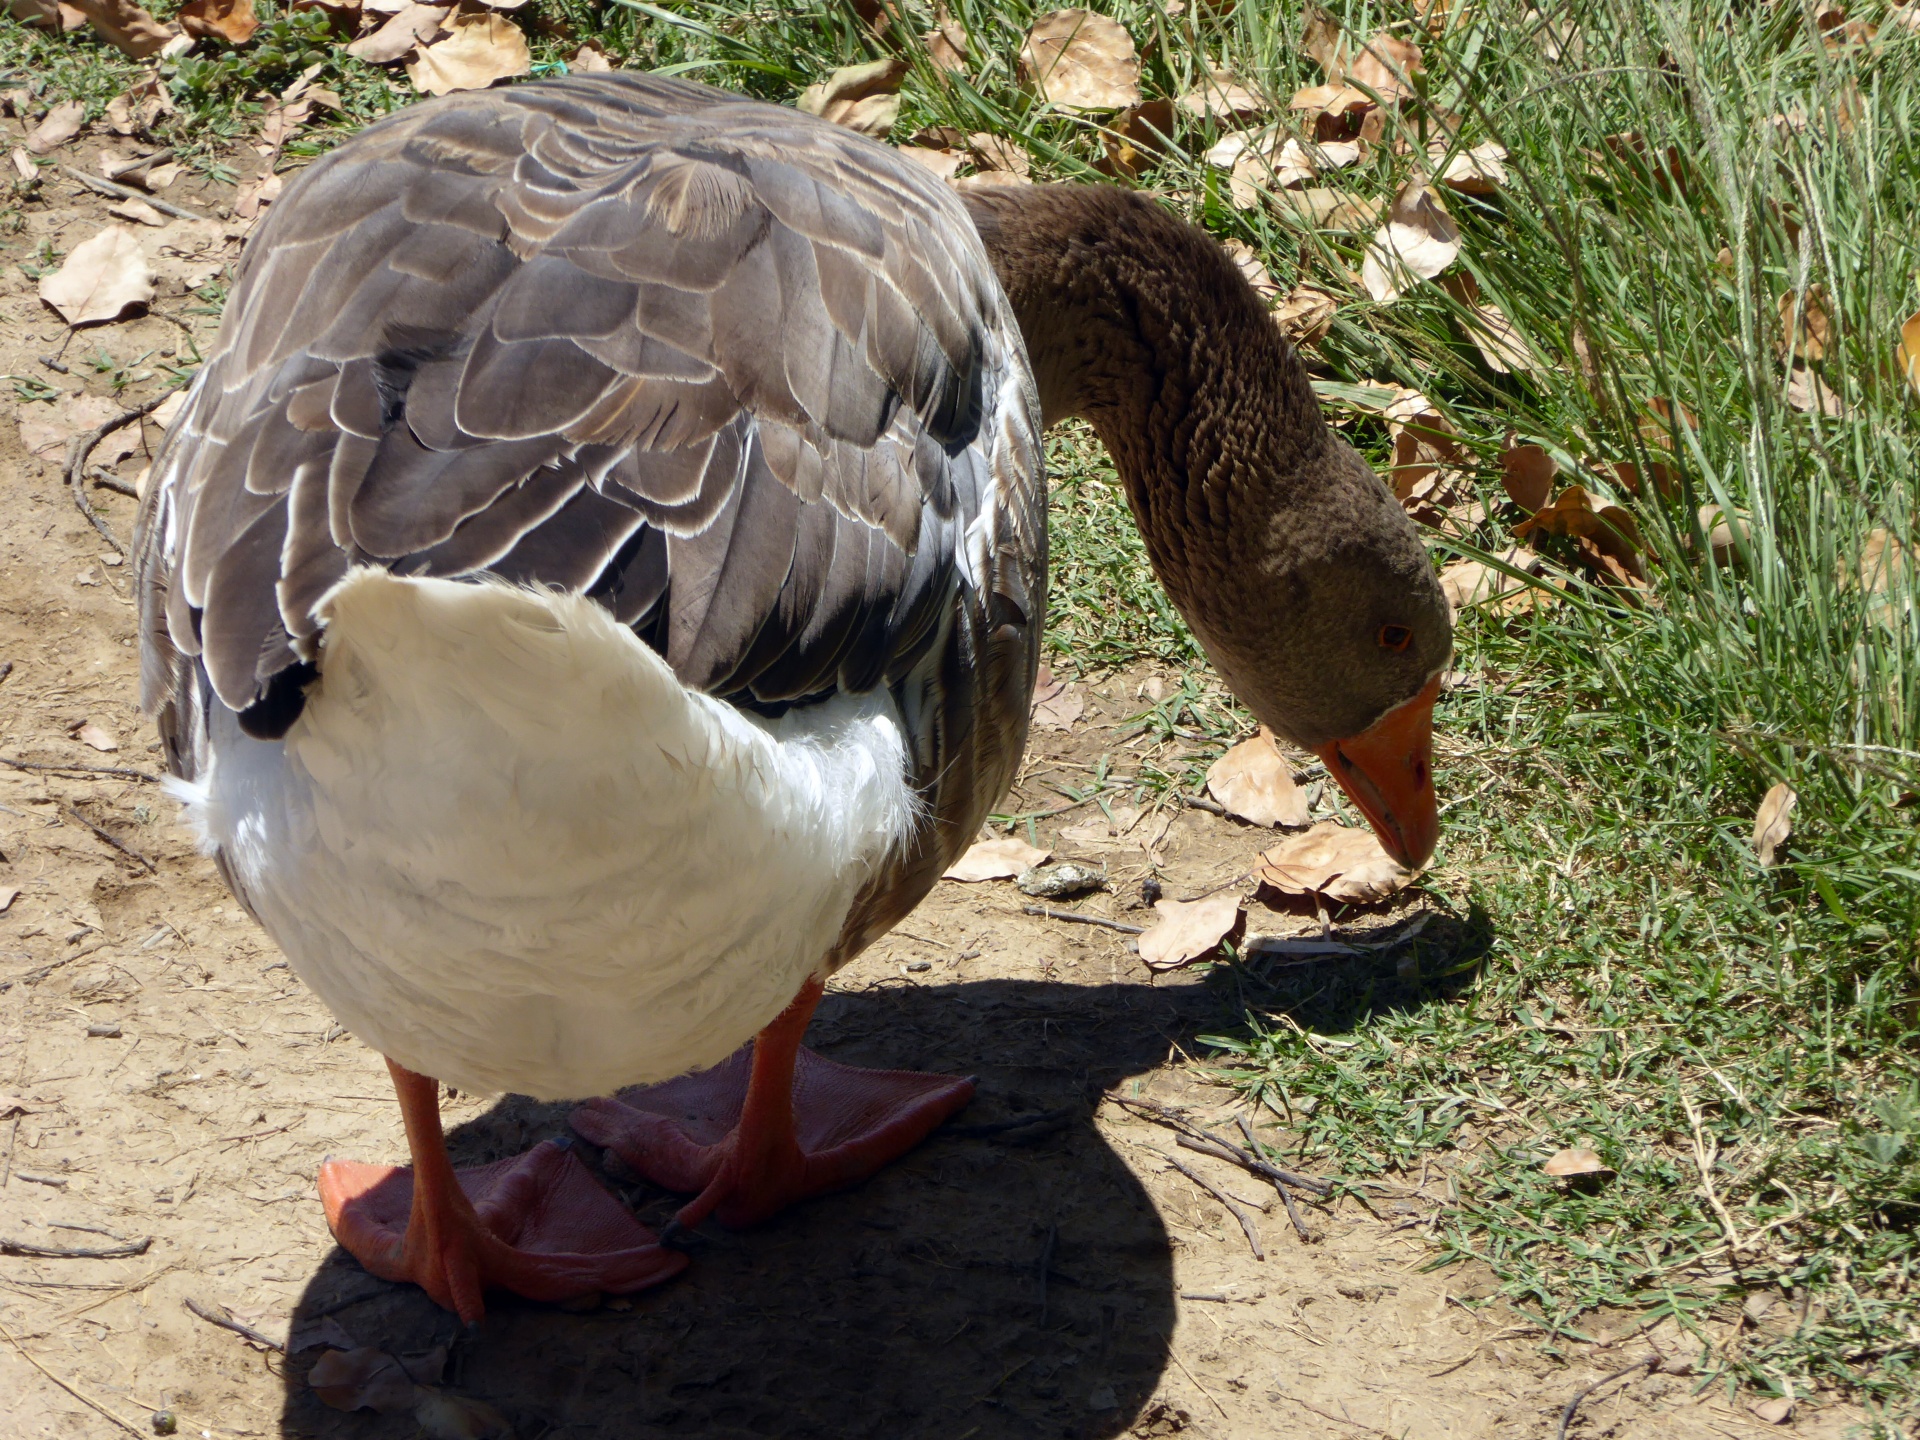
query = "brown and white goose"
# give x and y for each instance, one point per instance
(594, 589)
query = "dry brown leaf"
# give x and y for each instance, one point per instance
(1423, 441)
(1334, 860)
(102, 279)
(1103, 832)
(1272, 161)
(279, 122)
(1806, 324)
(1887, 567)
(1474, 582)
(23, 165)
(1056, 703)
(137, 109)
(1808, 391)
(1338, 112)
(1000, 859)
(590, 59)
(370, 1379)
(255, 195)
(1527, 472)
(125, 25)
(444, 1416)
(1777, 1411)
(8, 894)
(479, 51)
(1726, 532)
(139, 212)
(46, 428)
(1305, 314)
(946, 44)
(1567, 1164)
(1250, 266)
(992, 152)
(864, 98)
(1322, 40)
(1255, 783)
(944, 163)
(1221, 98)
(400, 36)
(1418, 241)
(230, 20)
(1479, 171)
(1908, 350)
(1189, 930)
(1386, 66)
(44, 14)
(1772, 823)
(59, 125)
(1331, 209)
(91, 734)
(1081, 61)
(1136, 138)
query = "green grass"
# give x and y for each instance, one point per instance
(1737, 1043)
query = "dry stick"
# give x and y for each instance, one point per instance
(1647, 1362)
(1195, 802)
(59, 767)
(81, 446)
(120, 845)
(1080, 917)
(245, 1332)
(57, 1252)
(1704, 1154)
(1220, 1149)
(127, 192)
(77, 1393)
(1192, 1137)
(1234, 1207)
(1286, 1195)
(107, 480)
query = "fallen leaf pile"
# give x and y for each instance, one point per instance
(865, 98)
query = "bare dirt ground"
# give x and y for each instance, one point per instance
(163, 1075)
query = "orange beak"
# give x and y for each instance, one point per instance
(1387, 771)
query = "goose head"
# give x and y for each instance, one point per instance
(1297, 570)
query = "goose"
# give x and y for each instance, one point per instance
(594, 587)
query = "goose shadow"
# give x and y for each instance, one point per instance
(1012, 1282)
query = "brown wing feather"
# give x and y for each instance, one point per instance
(741, 376)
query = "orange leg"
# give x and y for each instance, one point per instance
(538, 1225)
(773, 1124)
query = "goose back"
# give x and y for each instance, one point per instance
(741, 377)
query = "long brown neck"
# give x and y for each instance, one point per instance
(1143, 325)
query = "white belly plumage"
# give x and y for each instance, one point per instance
(511, 851)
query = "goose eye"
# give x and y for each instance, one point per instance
(1395, 637)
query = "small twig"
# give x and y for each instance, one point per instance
(1705, 1152)
(1286, 1194)
(106, 480)
(1221, 1150)
(1646, 1362)
(57, 767)
(245, 1332)
(75, 1391)
(127, 192)
(118, 844)
(57, 1252)
(1212, 807)
(1080, 917)
(81, 446)
(1234, 1207)
(1192, 1137)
